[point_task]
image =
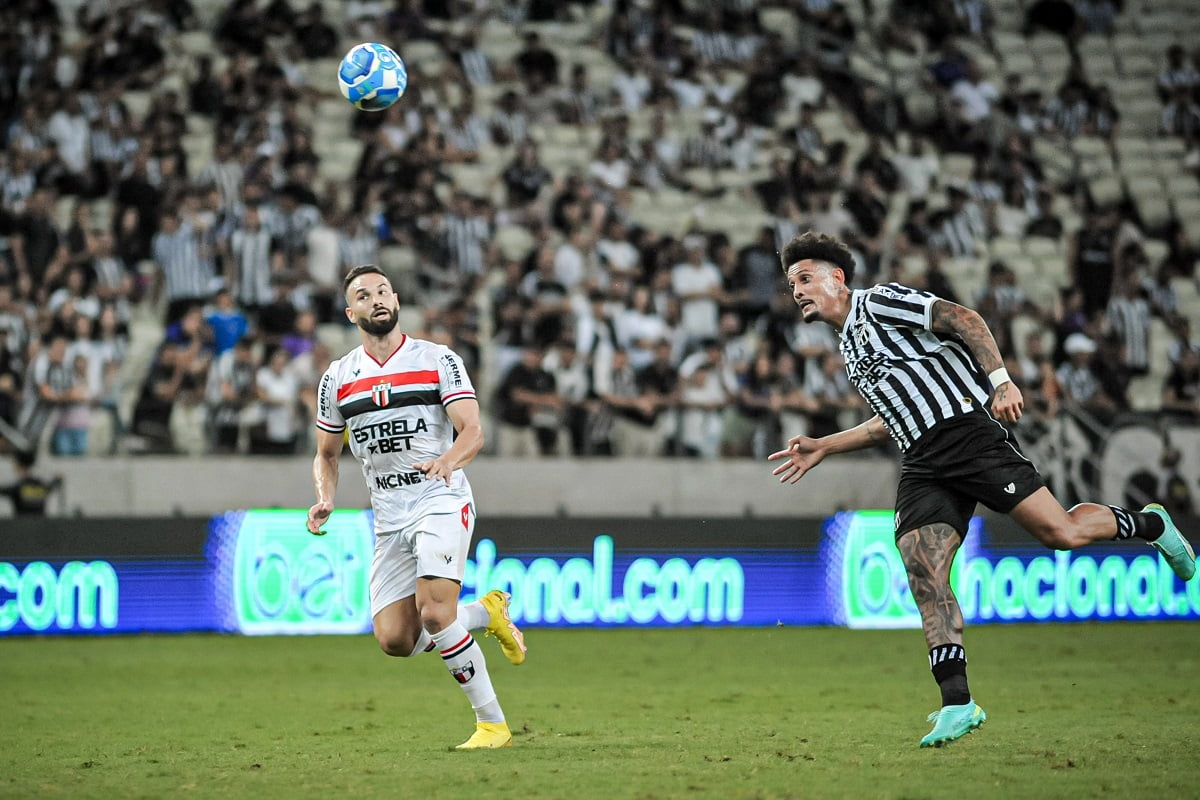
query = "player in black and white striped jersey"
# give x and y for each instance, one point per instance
(932, 373)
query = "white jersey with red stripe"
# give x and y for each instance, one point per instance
(395, 411)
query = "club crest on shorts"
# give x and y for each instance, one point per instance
(464, 673)
(381, 393)
(466, 516)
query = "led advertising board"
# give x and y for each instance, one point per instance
(259, 572)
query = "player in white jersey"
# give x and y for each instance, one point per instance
(413, 421)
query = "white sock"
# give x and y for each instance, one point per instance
(473, 616)
(464, 658)
(424, 643)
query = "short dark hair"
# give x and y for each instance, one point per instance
(362, 269)
(819, 247)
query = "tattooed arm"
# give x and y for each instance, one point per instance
(947, 317)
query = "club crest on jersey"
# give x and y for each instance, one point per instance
(381, 393)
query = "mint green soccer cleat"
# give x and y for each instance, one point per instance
(1175, 549)
(953, 722)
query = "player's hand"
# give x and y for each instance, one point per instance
(802, 454)
(436, 470)
(1007, 403)
(317, 516)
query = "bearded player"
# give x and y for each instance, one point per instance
(414, 423)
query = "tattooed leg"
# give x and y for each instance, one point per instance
(928, 552)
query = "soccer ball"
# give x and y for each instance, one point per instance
(372, 76)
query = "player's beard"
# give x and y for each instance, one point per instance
(379, 327)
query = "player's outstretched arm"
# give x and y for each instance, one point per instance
(947, 317)
(803, 452)
(464, 415)
(325, 478)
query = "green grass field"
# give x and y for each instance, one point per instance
(1075, 711)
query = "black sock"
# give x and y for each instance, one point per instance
(1141, 524)
(949, 665)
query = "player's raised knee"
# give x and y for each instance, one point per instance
(395, 644)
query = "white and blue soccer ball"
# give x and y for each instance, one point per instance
(372, 76)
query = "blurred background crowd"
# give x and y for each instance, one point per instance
(585, 200)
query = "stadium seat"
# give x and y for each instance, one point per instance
(1181, 186)
(1156, 251)
(1154, 211)
(1005, 248)
(340, 162)
(1105, 190)
(515, 241)
(782, 21)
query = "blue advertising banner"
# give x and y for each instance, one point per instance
(261, 573)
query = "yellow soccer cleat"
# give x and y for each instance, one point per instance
(512, 641)
(488, 735)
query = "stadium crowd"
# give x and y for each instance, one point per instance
(178, 204)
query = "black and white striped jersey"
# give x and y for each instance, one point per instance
(911, 377)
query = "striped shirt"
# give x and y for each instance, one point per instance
(250, 251)
(1129, 319)
(912, 377)
(465, 240)
(188, 270)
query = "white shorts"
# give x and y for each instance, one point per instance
(434, 544)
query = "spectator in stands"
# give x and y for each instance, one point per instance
(639, 327)
(573, 383)
(511, 121)
(316, 37)
(1053, 16)
(278, 394)
(836, 401)
(227, 322)
(1091, 257)
(1181, 392)
(973, 97)
(524, 178)
(1000, 302)
(752, 420)
(184, 260)
(698, 284)
(1177, 73)
(527, 392)
(112, 278)
(29, 493)
(39, 246)
(1036, 371)
(536, 60)
(1181, 116)
(75, 416)
(1128, 320)
(52, 387)
(809, 139)
(74, 296)
(1068, 112)
(579, 103)
(702, 399)
(963, 229)
(631, 407)
(252, 258)
(1082, 387)
(1104, 118)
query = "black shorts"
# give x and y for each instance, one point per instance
(960, 462)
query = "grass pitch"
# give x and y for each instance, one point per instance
(1075, 711)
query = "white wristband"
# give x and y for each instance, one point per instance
(998, 377)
